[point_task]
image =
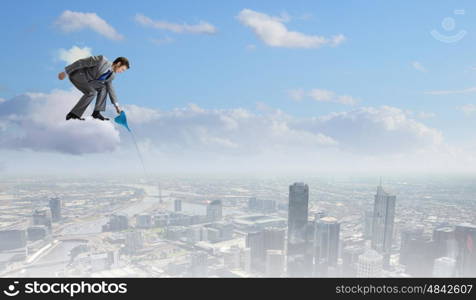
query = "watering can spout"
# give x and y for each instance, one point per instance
(122, 120)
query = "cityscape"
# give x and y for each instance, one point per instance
(238, 227)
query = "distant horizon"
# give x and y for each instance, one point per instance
(369, 176)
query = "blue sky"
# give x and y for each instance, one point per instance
(388, 56)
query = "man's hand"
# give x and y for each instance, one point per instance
(118, 109)
(61, 75)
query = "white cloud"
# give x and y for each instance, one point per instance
(193, 138)
(141, 114)
(371, 131)
(452, 92)
(237, 132)
(468, 109)
(420, 114)
(234, 131)
(273, 32)
(200, 28)
(426, 115)
(71, 21)
(2, 100)
(36, 121)
(73, 54)
(418, 66)
(322, 95)
(163, 41)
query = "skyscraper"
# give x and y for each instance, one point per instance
(326, 245)
(231, 257)
(274, 238)
(214, 210)
(297, 263)
(369, 264)
(117, 222)
(255, 241)
(408, 234)
(245, 259)
(274, 263)
(178, 205)
(199, 264)
(444, 267)
(55, 207)
(350, 258)
(445, 243)
(466, 259)
(42, 217)
(134, 241)
(420, 257)
(368, 220)
(382, 225)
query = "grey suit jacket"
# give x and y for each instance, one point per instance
(94, 67)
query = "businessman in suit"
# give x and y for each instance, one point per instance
(93, 76)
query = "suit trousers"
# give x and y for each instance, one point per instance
(90, 91)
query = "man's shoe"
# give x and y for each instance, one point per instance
(97, 115)
(73, 116)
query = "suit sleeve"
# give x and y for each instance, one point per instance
(111, 92)
(87, 62)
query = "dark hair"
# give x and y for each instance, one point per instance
(123, 61)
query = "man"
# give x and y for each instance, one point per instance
(93, 76)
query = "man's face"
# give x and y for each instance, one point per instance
(118, 68)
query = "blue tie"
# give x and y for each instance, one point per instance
(105, 75)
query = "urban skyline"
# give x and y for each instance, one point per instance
(198, 227)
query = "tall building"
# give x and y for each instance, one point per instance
(444, 267)
(466, 258)
(445, 242)
(297, 246)
(55, 207)
(231, 257)
(274, 238)
(134, 241)
(382, 225)
(177, 205)
(214, 210)
(117, 222)
(245, 259)
(370, 264)
(368, 220)
(420, 257)
(199, 264)
(326, 245)
(255, 241)
(274, 263)
(259, 242)
(42, 217)
(409, 234)
(350, 258)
